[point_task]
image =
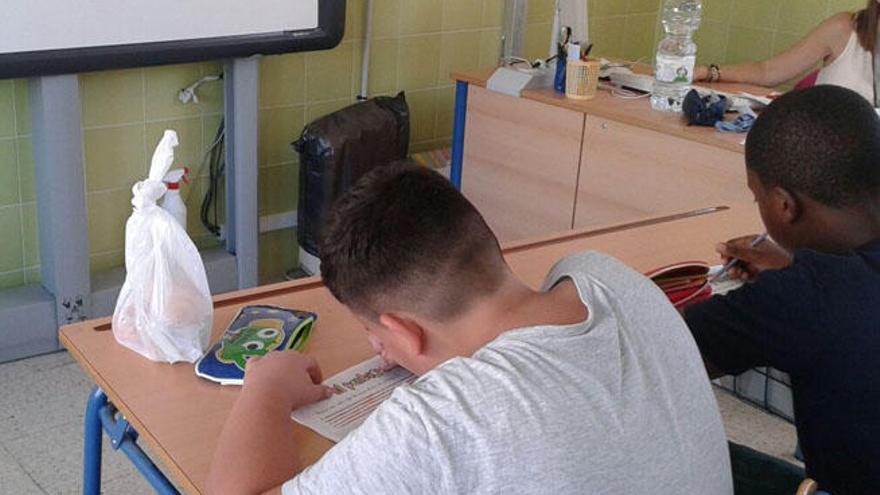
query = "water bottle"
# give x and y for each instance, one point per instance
(676, 54)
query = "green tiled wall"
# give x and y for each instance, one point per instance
(19, 258)
(415, 45)
(740, 30)
(539, 24)
(732, 30)
(624, 28)
(123, 114)
(620, 28)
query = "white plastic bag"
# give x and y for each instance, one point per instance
(164, 310)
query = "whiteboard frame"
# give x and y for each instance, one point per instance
(328, 34)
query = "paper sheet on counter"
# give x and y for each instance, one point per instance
(359, 391)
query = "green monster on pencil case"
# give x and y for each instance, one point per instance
(257, 339)
(255, 331)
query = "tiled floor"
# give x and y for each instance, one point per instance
(41, 424)
(41, 416)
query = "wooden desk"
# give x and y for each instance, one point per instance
(180, 416)
(542, 163)
(631, 112)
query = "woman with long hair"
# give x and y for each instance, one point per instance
(843, 44)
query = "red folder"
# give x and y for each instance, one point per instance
(684, 283)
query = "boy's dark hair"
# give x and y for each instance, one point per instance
(823, 142)
(404, 239)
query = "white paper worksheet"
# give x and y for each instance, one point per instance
(359, 391)
(725, 283)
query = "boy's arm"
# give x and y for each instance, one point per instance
(255, 452)
(727, 343)
(765, 323)
(712, 370)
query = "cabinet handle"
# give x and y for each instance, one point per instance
(604, 126)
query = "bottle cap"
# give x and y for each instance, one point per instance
(173, 178)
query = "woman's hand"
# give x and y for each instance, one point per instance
(701, 73)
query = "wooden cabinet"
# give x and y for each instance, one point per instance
(627, 172)
(535, 169)
(521, 162)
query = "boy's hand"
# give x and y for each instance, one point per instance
(753, 260)
(286, 376)
(259, 428)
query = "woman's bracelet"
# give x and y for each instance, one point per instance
(714, 73)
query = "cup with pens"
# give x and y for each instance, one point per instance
(581, 73)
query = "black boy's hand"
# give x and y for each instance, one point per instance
(753, 260)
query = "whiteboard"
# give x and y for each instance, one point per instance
(33, 25)
(56, 36)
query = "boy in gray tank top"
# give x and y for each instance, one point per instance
(590, 385)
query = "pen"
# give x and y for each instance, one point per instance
(727, 266)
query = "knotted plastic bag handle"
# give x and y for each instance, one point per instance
(147, 192)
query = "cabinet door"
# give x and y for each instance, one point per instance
(521, 162)
(628, 172)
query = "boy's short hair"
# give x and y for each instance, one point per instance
(404, 239)
(823, 142)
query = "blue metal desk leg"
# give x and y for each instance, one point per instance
(101, 417)
(92, 443)
(461, 95)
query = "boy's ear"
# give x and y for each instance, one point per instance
(787, 205)
(406, 332)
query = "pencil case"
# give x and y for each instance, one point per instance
(255, 331)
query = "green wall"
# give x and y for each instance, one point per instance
(621, 28)
(732, 30)
(123, 114)
(415, 45)
(740, 30)
(17, 208)
(624, 28)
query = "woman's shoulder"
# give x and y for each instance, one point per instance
(834, 33)
(841, 24)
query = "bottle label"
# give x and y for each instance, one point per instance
(676, 70)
